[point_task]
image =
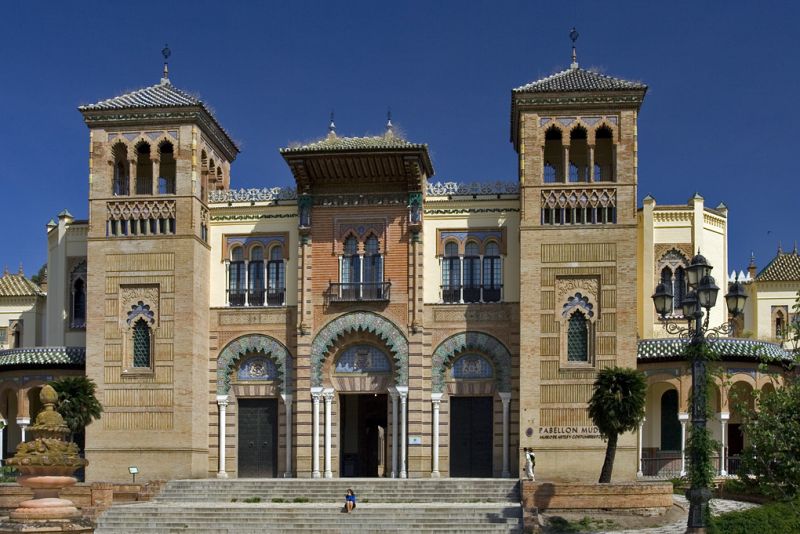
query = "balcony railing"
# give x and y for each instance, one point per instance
(257, 297)
(358, 292)
(468, 294)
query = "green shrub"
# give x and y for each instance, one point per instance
(300, 499)
(778, 517)
(253, 500)
(8, 474)
(278, 499)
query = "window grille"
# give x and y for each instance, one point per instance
(141, 344)
(577, 338)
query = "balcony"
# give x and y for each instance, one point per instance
(358, 292)
(257, 297)
(469, 294)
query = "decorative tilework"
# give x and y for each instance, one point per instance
(257, 368)
(471, 341)
(363, 359)
(247, 345)
(746, 349)
(472, 366)
(365, 322)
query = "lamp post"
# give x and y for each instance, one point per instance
(702, 295)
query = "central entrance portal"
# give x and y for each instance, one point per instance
(258, 438)
(363, 441)
(471, 437)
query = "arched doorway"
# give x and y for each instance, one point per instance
(670, 425)
(741, 401)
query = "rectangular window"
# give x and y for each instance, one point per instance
(472, 279)
(236, 285)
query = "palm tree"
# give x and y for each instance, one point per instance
(617, 406)
(77, 403)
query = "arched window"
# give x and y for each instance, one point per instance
(362, 358)
(236, 278)
(472, 272)
(603, 155)
(578, 338)
(141, 343)
(578, 155)
(16, 336)
(144, 170)
(553, 156)
(78, 304)
(166, 169)
(373, 269)
(121, 184)
(492, 273)
(670, 425)
(276, 279)
(351, 270)
(451, 273)
(255, 278)
(220, 179)
(780, 325)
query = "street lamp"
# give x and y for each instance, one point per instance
(701, 295)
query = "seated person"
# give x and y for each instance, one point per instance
(349, 500)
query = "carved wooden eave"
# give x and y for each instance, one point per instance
(570, 101)
(407, 168)
(105, 118)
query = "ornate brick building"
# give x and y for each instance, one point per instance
(369, 321)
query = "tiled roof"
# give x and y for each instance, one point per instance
(353, 143)
(579, 80)
(17, 285)
(161, 95)
(725, 348)
(42, 356)
(785, 267)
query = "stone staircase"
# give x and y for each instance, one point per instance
(250, 506)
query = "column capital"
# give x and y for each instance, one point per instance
(505, 396)
(436, 398)
(328, 394)
(402, 391)
(724, 416)
(23, 421)
(683, 417)
(287, 398)
(222, 400)
(316, 392)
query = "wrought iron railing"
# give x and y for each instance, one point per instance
(358, 291)
(470, 294)
(256, 297)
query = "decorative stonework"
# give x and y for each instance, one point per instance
(569, 288)
(135, 210)
(479, 342)
(365, 322)
(247, 345)
(267, 194)
(361, 229)
(138, 300)
(452, 189)
(579, 198)
(257, 368)
(481, 235)
(473, 313)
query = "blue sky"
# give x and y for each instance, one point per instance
(720, 116)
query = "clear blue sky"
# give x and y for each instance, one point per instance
(721, 116)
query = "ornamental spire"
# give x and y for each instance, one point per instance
(573, 35)
(331, 127)
(166, 52)
(389, 125)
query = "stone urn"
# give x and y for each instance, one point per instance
(46, 465)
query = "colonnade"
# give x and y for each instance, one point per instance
(399, 396)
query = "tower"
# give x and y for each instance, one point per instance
(153, 154)
(575, 133)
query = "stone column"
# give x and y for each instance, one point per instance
(328, 394)
(156, 173)
(436, 398)
(723, 421)
(246, 283)
(315, 394)
(23, 423)
(132, 179)
(3, 425)
(393, 394)
(506, 398)
(683, 418)
(403, 392)
(222, 403)
(566, 164)
(592, 177)
(640, 472)
(287, 403)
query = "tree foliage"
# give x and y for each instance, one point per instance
(77, 402)
(617, 406)
(40, 276)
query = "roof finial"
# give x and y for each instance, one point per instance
(389, 125)
(332, 127)
(166, 52)
(573, 34)
(794, 250)
(21, 270)
(5, 271)
(780, 248)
